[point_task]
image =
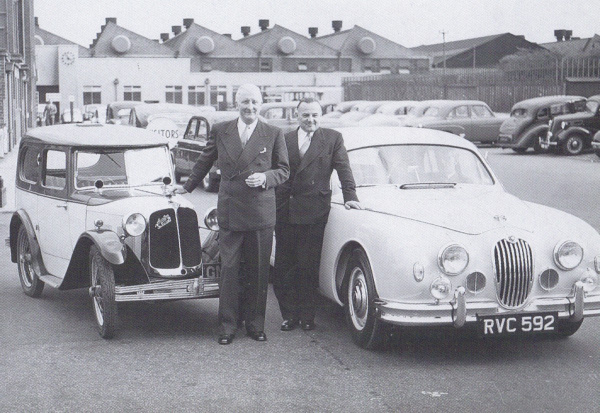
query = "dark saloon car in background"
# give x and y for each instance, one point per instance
(528, 122)
(471, 119)
(573, 133)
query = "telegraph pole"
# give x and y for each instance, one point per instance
(443, 32)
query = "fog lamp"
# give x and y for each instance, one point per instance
(563, 125)
(475, 282)
(135, 224)
(453, 259)
(589, 280)
(210, 219)
(440, 288)
(418, 271)
(568, 255)
(549, 279)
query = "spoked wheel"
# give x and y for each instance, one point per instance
(573, 145)
(102, 291)
(30, 282)
(566, 328)
(366, 329)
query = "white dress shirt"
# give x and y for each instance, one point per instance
(303, 137)
(242, 126)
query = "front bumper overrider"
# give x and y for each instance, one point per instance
(458, 312)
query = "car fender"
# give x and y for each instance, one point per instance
(528, 137)
(564, 135)
(110, 245)
(21, 217)
(455, 129)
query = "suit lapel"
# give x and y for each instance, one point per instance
(256, 145)
(232, 141)
(317, 145)
(292, 147)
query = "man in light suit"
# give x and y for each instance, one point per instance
(303, 204)
(253, 160)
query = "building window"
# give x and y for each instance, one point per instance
(385, 71)
(302, 67)
(206, 66)
(92, 95)
(196, 95)
(133, 93)
(174, 94)
(265, 66)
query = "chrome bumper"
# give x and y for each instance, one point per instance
(459, 311)
(595, 145)
(169, 290)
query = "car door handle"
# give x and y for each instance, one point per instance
(61, 206)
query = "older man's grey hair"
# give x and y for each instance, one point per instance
(248, 88)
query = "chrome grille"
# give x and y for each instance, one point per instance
(514, 272)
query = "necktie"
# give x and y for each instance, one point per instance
(245, 136)
(305, 145)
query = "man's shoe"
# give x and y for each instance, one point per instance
(289, 324)
(258, 335)
(307, 325)
(225, 338)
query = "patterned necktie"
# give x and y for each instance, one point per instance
(305, 145)
(245, 136)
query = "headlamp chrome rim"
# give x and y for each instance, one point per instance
(557, 254)
(441, 256)
(211, 220)
(134, 224)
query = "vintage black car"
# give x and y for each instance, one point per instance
(117, 113)
(573, 133)
(95, 209)
(529, 118)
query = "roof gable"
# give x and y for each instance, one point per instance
(115, 41)
(51, 39)
(278, 41)
(198, 40)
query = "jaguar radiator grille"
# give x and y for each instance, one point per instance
(514, 272)
(174, 239)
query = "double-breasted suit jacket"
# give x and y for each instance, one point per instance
(305, 198)
(240, 207)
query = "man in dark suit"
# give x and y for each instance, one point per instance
(303, 204)
(253, 160)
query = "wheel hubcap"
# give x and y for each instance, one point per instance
(358, 299)
(27, 271)
(97, 297)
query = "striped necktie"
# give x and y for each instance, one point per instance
(305, 145)
(245, 136)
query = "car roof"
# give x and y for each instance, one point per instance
(544, 101)
(452, 103)
(94, 134)
(360, 137)
(143, 111)
(124, 104)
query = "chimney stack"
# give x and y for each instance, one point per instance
(111, 20)
(187, 23)
(245, 30)
(337, 25)
(263, 24)
(559, 34)
(164, 37)
(176, 30)
(568, 34)
(313, 31)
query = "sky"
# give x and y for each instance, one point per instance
(408, 22)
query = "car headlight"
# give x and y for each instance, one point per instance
(453, 259)
(210, 219)
(440, 287)
(563, 124)
(134, 225)
(568, 255)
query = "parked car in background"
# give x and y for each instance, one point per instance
(359, 111)
(573, 133)
(118, 112)
(341, 108)
(528, 122)
(471, 119)
(596, 143)
(389, 114)
(96, 210)
(77, 116)
(440, 243)
(284, 115)
(418, 110)
(95, 113)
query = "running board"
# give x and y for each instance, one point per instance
(51, 280)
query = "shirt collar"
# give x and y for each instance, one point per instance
(241, 126)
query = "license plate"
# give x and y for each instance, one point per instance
(516, 324)
(211, 270)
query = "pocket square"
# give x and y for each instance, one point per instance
(263, 150)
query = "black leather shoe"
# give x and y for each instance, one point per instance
(225, 338)
(289, 324)
(307, 325)
(258, 335)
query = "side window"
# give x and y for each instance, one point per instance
(196, 130)
(460, 112)
(55, 169)
(480, 111)
(542, 113)
(275, 113)
(29, 168)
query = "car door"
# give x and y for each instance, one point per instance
(53, 212)
(459, 119)
(485, 127)
(188, 148)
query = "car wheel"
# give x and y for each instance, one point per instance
(366, 329)
(30, 282)
(573, 145)
(537, 148)
(566, 328)
(102, 291)
(520, 150)
(210, 185)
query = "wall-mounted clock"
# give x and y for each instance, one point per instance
(67, 58)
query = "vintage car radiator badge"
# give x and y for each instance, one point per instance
(161, 222)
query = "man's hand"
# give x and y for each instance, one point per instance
(256, 179)
(180, 190)
(353, 205)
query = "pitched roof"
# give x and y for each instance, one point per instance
(269, 43)
(575, 47)
(223, 46)
(348, 42)
(114, 37)
(55, 40)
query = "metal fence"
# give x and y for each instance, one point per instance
(500, 88)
